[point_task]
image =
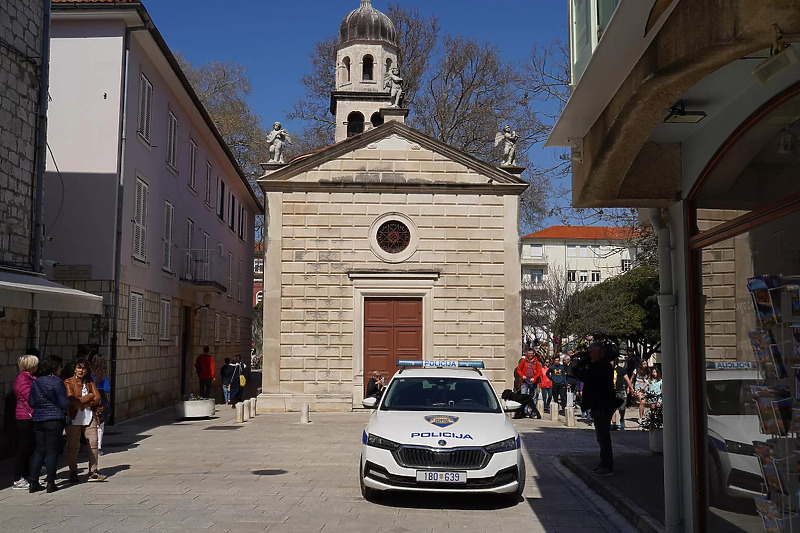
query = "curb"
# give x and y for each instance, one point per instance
(634, 514)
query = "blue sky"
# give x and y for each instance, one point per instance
(272, 39)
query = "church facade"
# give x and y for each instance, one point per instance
(387, 245)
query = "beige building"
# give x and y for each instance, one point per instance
(386, 245)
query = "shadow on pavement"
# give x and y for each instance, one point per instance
(484, 502)
(274, 472)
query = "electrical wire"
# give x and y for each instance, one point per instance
(63, 190)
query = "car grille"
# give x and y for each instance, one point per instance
(467, 458)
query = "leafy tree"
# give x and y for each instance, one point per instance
(624, 307)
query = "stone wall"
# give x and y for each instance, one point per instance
(13, 344)
(21, 26)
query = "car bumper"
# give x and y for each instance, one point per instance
(500, 475)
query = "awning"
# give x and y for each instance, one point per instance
(28, 291)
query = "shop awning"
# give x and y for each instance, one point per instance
(28, 291)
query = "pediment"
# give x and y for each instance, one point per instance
(391, 156)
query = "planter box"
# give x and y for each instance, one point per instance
(195, 409)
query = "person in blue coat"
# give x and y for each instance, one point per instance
(48, 398)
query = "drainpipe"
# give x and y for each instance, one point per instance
(121, 152)
(673, 518)
(41, 161)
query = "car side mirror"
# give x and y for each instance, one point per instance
(370, 403)
(511, 405)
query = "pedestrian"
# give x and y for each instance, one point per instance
(375, 385)
(654, 388)
(48, 398)
(622, 386)
(237, 380)
(225, 374)
(204, 365)
(641, 380)
(100, 377)
(28, 364)
(546, 386)
(84, 399)
(529, 371)
(597, 374)
(572, 381)
(558, 375)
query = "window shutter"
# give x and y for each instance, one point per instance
(142, 104)
(239, 282)
(216, 327)
(230, 275)
(140, 221)
(164, 323)
(228, 322)
(206, 239)
(169, 222)
(189, 246)
(148, 108)
(238, 330)
(192, 165)
(135, 316)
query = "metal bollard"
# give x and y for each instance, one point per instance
(304, 418)
(239, 413)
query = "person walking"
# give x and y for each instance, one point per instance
(28, 365)
(641, 380)
(622, 385)
(48, 398)
(83, 398)
(558, 375)
(237, 380)
(225, 374)
(204, 365)
(597, 374)
(546, 386)
(529, 371)
(100, 377)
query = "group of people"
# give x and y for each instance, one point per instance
(231, 374)
(537, 374)
(53, 400)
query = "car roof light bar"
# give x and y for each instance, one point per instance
(439, 363)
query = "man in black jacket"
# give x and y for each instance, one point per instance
(597, 375)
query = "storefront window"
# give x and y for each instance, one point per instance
(747, 324)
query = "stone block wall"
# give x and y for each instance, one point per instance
(13, 344)
(21, 27)
(326, 235)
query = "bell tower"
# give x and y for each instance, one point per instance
(366, 53)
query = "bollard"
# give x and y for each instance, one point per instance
(554, 411)
(246, 410)
(239, 413)
(255, 406)
(540, 406)
(304, 419)
(569, 417)
(251, 404)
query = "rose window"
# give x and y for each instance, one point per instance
(393, 236)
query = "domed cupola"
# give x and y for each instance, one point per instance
(367, 24)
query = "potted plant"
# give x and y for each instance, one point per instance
(193, 406)
(653, 422)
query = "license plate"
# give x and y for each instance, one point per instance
(441, 477)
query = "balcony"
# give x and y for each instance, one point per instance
(204, 271)
(533, 259)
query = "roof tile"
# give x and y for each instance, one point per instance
(594, 233)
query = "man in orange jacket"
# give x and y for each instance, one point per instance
(529, 371)
(204, 364)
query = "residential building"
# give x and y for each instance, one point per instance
(691, 109)
(387, 245)
(24, 291)
(258, 274)
(146, 207)
(581, 255)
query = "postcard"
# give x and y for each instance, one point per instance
(761, 342)
(768, 313)
(774, 408)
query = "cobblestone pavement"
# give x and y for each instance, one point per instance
(274, 474)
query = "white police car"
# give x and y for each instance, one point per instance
(440, 427)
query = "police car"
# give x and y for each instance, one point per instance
(440, 427)
(732, 428)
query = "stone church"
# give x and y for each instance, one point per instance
(386, 245)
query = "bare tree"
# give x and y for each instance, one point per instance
(417, 37)
(548, 306)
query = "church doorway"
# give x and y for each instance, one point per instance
(392, 331)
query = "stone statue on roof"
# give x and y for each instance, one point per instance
(277, 140)
(394, 83)
(510, 147)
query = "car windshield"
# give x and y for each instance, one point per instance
(731, 397)
(440, 394)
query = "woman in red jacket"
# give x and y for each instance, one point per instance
(28, 364)
(546, 386)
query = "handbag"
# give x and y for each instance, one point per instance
(242, 381)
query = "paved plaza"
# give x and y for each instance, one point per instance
(274, 474)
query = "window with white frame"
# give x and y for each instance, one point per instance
(239, 282)
(258, 266)
(209, 196)
(584, 251)
(259, 297)
(626, 265)
(136, 316)
(537, 250)
(594, 251)
(595, 275)
(242, 221)
(232, 212)
(140, 220)
(169, 224)
(221, 198)
(144, 126)
(165, 319)
(571, 275)
(192, 165)
(238, 337)
(537, 276)
(172, 141)
(228, 328)
(230, 274)
(189, 267)
(216, 327)
(571, 250)
(584, 276)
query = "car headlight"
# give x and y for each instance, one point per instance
(380, 442)
(503, 446)
(739, 448)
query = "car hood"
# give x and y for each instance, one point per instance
(738, 428)
(427, 428)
